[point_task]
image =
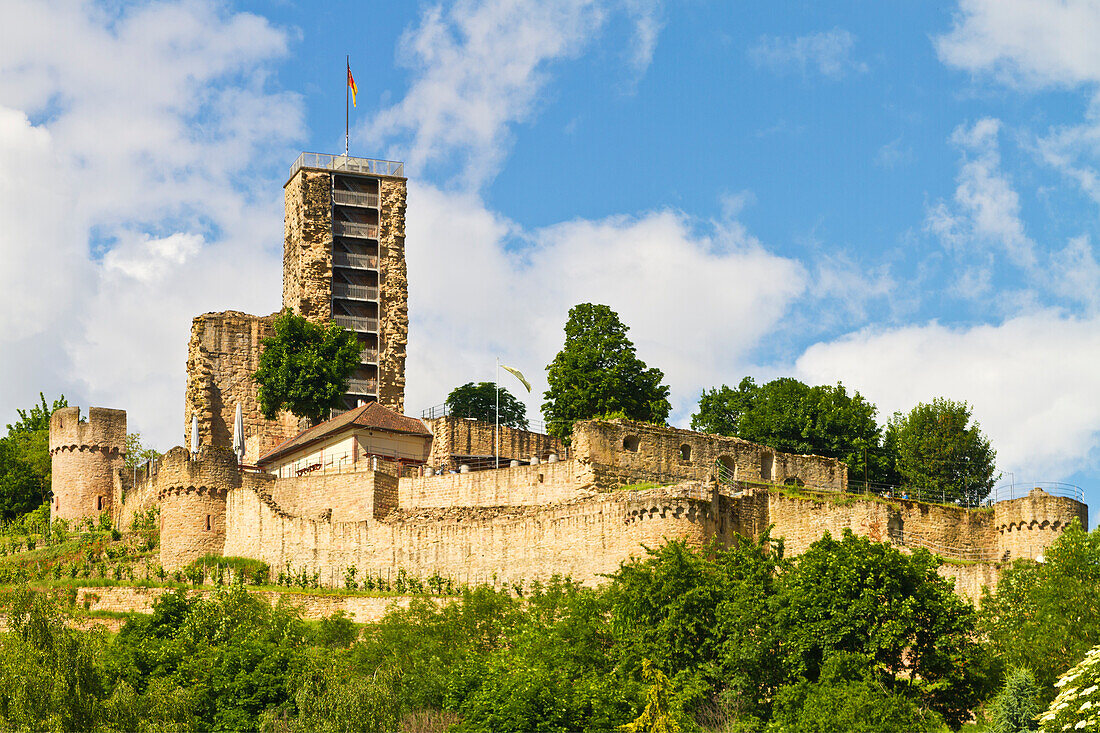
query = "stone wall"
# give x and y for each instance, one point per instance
(307, 245)
(456, 436)
(85, 458)
(191, 494)
(222, 355)
(393, 294)
(546, 483)
(622, 452)
(345, 497)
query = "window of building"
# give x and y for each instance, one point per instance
(630, 443)
(99, 503)
(685, 452)
(209, 525)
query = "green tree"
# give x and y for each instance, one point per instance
(597, 372)
(1016, 708)
(1045, 616)
(793, 417)
(25, 464)
(941, 453)
(864, 597)
(479, 402)
(304, 367)
(136, 453)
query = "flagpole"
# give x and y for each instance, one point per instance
(347, 114)
(496, 429)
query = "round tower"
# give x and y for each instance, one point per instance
(192, 492)
(1027, 526)
(86, 456)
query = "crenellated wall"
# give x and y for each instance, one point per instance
(85, 458)
(1026, 526)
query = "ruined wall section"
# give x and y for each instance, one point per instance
(393, 294)
(1025, 527)
(85, 457)
(342, 497)
(585, 538)
(222, 354)
(457, 436)
(307, 245)
(546, 483)
(623, 452)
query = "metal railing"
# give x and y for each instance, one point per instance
(355, 229)
(369, 166)
(1020, 489)
(362, 386)
(347, 259)
(368, 356)
(357, 323)
(355, 198)
(354, 292)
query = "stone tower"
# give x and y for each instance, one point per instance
(344, 259)
(86, 456)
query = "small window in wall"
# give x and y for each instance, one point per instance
(685, 452)
(630, 443)
(209, 525)
(99, 503)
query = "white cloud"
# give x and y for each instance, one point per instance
(986, 211)
(1031, 381)
(481, 67)
(696, 303)
(123, 135)
(1027, 42)
(827, 52)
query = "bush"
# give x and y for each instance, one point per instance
(1077, 706)
(1016, 708)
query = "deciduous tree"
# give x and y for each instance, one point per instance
(304, 367)
(479, 402)
(597, 372)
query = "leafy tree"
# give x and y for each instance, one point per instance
(304, 367)
(793, 417)
(864, 597)
(1046, 616)
(25, 459)
(479, 402)
(1016, 708)
(849, 697)
(942, 453)
(597, 372)
(136, 453)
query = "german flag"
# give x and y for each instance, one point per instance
(351, 85)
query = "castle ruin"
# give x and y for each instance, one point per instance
(380, 492)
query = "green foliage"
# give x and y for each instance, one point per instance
(940, 451)
(864, 597)
(658, 715)
(478, 401)
(331, 697)
(304, 367)
(336, 631)
(244, 569)
(1016, 708)
(25, 460)
(1046, 616)
(849, 697)
(136, 453)
(597, 372)
(790, 416)
(1077, 706)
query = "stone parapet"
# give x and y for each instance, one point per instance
(454, 438)
(1026, 526)
(86, 457)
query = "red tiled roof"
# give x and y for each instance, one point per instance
(371, 415)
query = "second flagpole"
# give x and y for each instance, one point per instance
(347, 93)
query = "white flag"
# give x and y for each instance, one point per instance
(518, 375)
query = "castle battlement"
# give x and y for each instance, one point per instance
(104, 430)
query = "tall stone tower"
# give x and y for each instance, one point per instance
(86, 456)
(344, 259)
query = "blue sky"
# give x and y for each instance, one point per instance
(899, 196)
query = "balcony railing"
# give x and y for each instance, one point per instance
(357, 323)
(327, 162)
(368, 356)
(355, 292)
(355, 229)
(347, 259)
(355, 198)
(362, 386)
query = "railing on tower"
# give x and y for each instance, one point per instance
(369, 166)
(355, 198)
(355, 292)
